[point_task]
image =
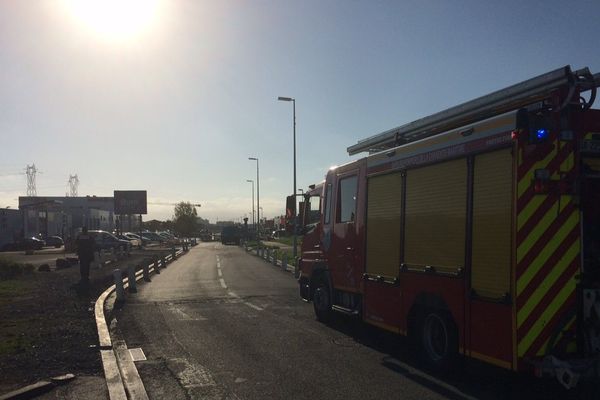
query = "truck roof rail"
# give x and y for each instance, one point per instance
(507, 99)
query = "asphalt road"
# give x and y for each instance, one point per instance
(223, 324)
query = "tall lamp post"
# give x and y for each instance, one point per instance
(251, 181)
(280, 98)
(257, 200)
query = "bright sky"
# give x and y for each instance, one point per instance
(174, 96)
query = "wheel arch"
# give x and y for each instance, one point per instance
(425, 306)
(425, 301)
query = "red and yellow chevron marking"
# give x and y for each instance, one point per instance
(547, 253)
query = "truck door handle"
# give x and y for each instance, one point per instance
(316, 246)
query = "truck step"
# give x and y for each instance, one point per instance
(344, 310)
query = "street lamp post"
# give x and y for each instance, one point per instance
(294, 192)
(251, 181)
(257, 199)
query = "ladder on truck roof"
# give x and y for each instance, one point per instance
(495, 103)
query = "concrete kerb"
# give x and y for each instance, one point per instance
(112, 374)
(38, 388)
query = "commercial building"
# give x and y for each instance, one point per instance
(65, 216)
(11, 225)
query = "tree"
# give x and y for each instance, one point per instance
(184, 220)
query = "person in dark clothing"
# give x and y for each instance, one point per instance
(85, 250)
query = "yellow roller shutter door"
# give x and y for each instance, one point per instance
(492, 198)
(436, 200)
(383, 225)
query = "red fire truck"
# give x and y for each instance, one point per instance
(474, 231)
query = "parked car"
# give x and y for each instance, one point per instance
(54, 241)
(31, 243)
(169, 237)
(155, 237)
(144, 241)
(106, 241)
(135, 242)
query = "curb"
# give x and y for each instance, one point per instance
(37, 389)
(112, 369)
(29, 392)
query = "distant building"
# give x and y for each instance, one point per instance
(11, 225)
(221, 224)
(65, 216)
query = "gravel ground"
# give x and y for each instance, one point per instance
(47, 326)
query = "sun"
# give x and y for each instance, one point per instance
(115, 19)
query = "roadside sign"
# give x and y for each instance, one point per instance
(130, 202)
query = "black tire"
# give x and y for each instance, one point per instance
(322, 301)
(439, 340)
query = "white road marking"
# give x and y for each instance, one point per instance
(183, 316)
(223, 283)
(220, 273)
(418, 373)
(257, 308)
(235, 295)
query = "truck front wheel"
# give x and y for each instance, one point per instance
(322, 301)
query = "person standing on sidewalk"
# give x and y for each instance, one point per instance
(85, 251)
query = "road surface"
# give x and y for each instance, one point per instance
(222, 324)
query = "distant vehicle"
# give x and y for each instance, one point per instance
(169, 237)
(135, 242)
(31, 243)
(230, 234)
(106, 241)
(143, 240)
(206, 237)
(54, 241)
(155, 237)
(278, 234)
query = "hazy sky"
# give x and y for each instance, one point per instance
(174, 96)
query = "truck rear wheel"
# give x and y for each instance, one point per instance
(322, 301)
(439, 340)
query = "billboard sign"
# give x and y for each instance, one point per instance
(130, 202)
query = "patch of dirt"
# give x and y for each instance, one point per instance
(47, 325)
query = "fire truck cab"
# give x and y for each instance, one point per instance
(475, 231)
